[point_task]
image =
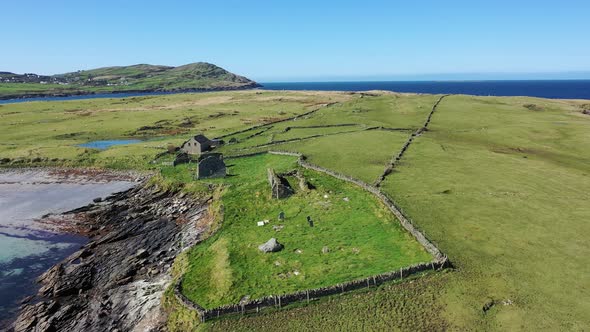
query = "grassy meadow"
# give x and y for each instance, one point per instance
(52, 131)
(363, 237)
(500, 184)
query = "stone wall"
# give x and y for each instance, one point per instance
(321, 126)
(181, 158)
(278, 301)
(275, 122)
(396, 158)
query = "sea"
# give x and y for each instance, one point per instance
(556, 89)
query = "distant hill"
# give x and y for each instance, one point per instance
(199, 76)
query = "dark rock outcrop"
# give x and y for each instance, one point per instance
(116, 281)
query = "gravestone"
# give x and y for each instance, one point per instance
(309, 221)
(281, 216)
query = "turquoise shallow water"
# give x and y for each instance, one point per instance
(12, 247)
(27, 246)
(103, 145)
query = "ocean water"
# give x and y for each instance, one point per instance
(561, 89)
(82, 97)
(103, 145)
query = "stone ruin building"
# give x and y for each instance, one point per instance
(279, 186)
(199, 144)
(211, 165)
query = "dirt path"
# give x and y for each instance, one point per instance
(396, 158)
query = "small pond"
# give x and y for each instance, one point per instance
(103, 145)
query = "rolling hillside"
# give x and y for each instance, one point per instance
(198, 76)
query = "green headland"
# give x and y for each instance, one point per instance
(200, 76)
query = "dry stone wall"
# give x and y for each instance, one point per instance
(278, 301)
(275, 122)
(395, 160)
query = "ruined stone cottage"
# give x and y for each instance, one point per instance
(211, 165)
(279, 186)
(196, 145)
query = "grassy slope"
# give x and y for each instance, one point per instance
(363, 236)
(518, 182)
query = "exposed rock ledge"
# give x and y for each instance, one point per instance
(116, 281)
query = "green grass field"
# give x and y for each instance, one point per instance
(499, 184)
(363, 237)
(50, 130)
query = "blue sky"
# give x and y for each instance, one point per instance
(304, 40)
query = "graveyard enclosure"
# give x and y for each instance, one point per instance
(363, 236)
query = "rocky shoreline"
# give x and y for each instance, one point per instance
(114, 94)
(117, 280)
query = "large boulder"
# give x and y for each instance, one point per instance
(271, 245)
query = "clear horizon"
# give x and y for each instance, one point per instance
(306, 41)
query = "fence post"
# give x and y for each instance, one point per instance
(401, 272)
(308, 296)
